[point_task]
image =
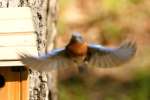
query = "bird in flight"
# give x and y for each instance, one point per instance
(79, 53)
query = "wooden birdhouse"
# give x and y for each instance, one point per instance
(16, 36)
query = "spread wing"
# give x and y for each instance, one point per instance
(52, 60)
(100, 56)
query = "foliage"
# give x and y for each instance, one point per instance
(107, 89)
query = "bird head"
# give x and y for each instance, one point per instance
(76, 38)
(77, 46)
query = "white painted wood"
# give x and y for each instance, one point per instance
(18, 39)
(17, 25)
(10, 63)
(15, 13)
(17, 19)
(16, 35)
(11, 53)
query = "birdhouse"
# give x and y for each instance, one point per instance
(16, 36)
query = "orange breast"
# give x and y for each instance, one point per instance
(78, 49)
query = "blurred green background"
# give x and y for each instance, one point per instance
(108, 22)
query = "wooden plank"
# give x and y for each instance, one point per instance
(24, 85)
(17, 25)
(11, 90)
(10, 63)
(15, 13)
(20, 39)
(11, 53)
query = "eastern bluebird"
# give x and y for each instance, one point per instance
(79, 53)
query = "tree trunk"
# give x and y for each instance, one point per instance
(44, 17)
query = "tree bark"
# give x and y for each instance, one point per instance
(45, 18)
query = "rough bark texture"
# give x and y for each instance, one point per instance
(44, 17)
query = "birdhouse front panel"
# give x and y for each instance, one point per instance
(13, 83)
(17, 36)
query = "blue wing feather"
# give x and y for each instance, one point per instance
(53, 60)
(101, 56)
